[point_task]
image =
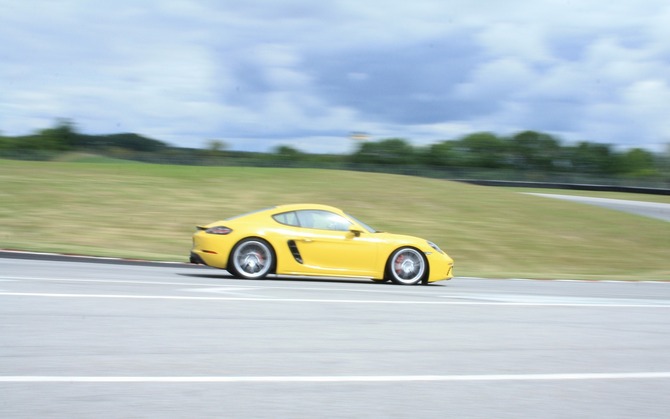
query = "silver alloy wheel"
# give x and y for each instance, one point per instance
(252, 258)
(407, 266)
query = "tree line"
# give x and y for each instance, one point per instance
(527, 151)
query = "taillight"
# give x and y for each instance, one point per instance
(219, 230)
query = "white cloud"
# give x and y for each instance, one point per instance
(499, 78)
(310, 73)
(514, 41)
(646, 102)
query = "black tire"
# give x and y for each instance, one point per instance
(251, 258)
(407, 266)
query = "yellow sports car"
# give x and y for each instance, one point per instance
(316, 240)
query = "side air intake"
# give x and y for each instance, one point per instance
(294, 251)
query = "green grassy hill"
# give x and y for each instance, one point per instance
(149, 211)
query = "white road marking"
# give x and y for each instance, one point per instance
(227, 290)
(378, 289)
(219, 290)
(375, 289)
(336, 379)
(104, 281)
(607, 303)
(549, 300)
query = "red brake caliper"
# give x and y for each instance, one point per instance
(398, 264)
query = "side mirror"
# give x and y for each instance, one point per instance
(356, 232)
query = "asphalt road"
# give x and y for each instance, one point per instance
(656, 210)
(98, 340)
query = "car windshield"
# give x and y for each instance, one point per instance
(362, 224)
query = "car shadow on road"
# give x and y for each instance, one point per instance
(276, 278)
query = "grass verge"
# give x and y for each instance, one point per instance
(149, 211)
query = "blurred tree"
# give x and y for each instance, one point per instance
(638, 162)
(535, 150)
(217, 146)
(62, 137)
(482, 149)
(594, 158)
(529, 150)
(135, 142)
(288, 154)
(440, 154)
(394, 151)
(215, 150)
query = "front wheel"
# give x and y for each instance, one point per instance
(406, 266)
(251, 259)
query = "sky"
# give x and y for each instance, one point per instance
(307, 74)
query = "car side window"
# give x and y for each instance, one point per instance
(288, 218)
(322, 220)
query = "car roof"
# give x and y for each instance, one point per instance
(296, 207)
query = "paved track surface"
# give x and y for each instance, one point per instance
(92, 340)
(656, 210)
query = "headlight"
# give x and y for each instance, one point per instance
(434, 246)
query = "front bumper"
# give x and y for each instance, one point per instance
(441, 267)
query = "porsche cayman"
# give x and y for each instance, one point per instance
(316, 240)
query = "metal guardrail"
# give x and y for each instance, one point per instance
(578, 187)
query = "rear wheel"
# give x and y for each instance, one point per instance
(251, 259)
(406, 266)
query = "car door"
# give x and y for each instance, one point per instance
(327, 246)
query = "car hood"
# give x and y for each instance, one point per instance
(402, 239)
